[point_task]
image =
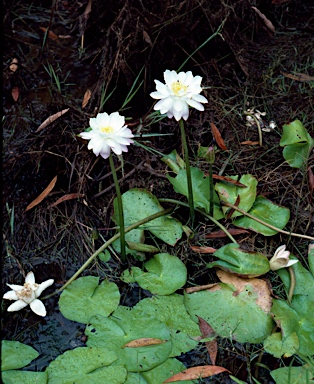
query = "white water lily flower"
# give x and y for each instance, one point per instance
(108, 132)
(28, 294)
(281, 259)
(180, 91)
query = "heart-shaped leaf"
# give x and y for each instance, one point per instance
(166, 274)
(84, 298)
(25, 377)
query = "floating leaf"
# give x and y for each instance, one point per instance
(297, 142)
(138, 204)
(165, 274)
(197, 373)
(170, 310)
(85, 365)
(25, 377)
(241, 262)
(295, 375)
(16, 355)
(200, 184)
(230, 193)
(237, 308)
(84, 298)
(126, 325)
(266, 211)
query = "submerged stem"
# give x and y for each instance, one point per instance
(120, 209)
(188, 170)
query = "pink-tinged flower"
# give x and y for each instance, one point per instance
(180, 91)
(281, 259)
(108, 132)
(28, 294)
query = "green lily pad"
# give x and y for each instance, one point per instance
(124, 326)
(200, 185)
(165, 274)
(267, 211)
(232, 312)
(85, 365)
(25, 377)
(297, 142)
(229, 193)
(163, 371)
(84, 298)
(241, 262)
(135, 378)
(138, 204)
(295, 375)
(16, 355)
(170, 310)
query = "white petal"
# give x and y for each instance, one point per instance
(38, 307)
(170, 77)
(195, 104)
(159, 95)
(15, 287)
(200, 98)
(102, 119)
(11, 295)
(105, 153)
(291, 262)
(43, 286)
(87, 135)
(30, 278)
(20, 304)
(178, 105)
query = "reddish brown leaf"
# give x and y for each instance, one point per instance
(44, 194)
(14, 65)
(198, 249)
(147, 38)
(229, 180)
(51, 119)
(232, 231)
(310, 176)
(267, 22)
(298, 76)
(15, 93)
(143, 342)
(196, 373)
(250, 142)
(200, 288)
(86, 98)
(88, 9)
(51, 34)
(207, 331)
(69, 196)
(231, 210)
(219, 140)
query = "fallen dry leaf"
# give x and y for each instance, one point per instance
(207, 331)
(51, 35)
(310, 177)
(44, 194)
(250, 142)
(298, 76)
(202, 288)
(232, 231)
(51, 119)
(143, 342)
(267, 22)
(69, 196)
(194, 373)
(196, 248)
(147, 38)
(86, 98)
(14, 65)
(264, 300)
(228, 180)
(219, 140)
(15, 93)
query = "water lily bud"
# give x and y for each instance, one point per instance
(281, 259)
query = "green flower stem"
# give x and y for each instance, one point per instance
(224, 229)
(266, 224)
(108, 243)
(211, 189)
(120, 209)
(188, 170)
(292, 284)
(259, 131)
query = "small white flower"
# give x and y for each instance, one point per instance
(108, 132)
(180, 91)
(28, 294)
(281, 259)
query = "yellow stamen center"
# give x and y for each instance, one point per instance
(107, 129)
(178, 88)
